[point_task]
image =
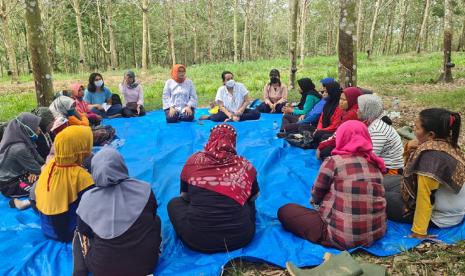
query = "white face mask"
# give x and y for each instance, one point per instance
(98, 83)
(230, 83)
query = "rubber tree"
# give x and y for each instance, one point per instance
(347, 49)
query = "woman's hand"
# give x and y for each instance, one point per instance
(188, 111)
(236, 118)
(138, 109)
(419, 236)
(172, 112)
(32, 178)
(288, 110)
(318, 154)
(301, 117)
(273, 108)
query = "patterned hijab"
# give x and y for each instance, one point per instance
(218, 168)
(174, 73)
(353, 138)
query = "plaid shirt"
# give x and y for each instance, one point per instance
(350, 193)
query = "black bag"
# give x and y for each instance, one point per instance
(304, 139)
(103, 135)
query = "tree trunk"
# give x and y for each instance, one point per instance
(347, 51)
(388, 30)
(10, 49)
(461, 45)
(447, 69)
(113, 55)
(373, 26)
(149, 46)
(171, 33)
(77, 13)
(210, 31)
(246, 31)
(294, 6)
(303, 20)
(236, 8)
(102, 41)
(40, 61)
(359, 24)
(403, 25)
(133, 43)
(421, 37)
(145, 31)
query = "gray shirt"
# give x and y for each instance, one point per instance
(18, 160)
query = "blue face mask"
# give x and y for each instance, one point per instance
(31, 133)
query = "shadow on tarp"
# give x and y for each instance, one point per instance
(155, 152)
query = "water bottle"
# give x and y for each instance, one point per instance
(275, 125)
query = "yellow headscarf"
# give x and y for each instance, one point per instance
(63, 177)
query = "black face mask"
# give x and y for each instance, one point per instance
(274, 80)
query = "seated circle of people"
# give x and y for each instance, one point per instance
(387, 143)
(20, 163)
(82, 106)
(63, 180)
(97, 94)
(274, 94)
(308, 99)
(232, 98)
(216, 209)
(133, 96)
(308, 121)
(430, 192)
(353, 173)
(179, 96)
(118, 230)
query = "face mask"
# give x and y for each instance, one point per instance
(230, 83)
(98, 83)
(71, 112)
(32, 135)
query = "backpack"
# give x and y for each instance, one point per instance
(304, 139)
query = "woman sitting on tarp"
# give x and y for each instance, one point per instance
(348, 195)
(97, 94)
(334, 114)
(216, 209)
(64, 106)
(60, 186)
(133, 95)
(430, 192)
(309, 98)
(19, 160)
(274, 94)
(387, 143)
(179, 96)
(45, 138)
(118, 230)
(309, 121)
(82, 106)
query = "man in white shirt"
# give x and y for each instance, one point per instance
(232, 99)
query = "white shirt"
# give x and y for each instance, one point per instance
(449, 207)
(232, 102)
(179, 95)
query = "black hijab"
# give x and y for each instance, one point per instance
(308, 88)
(332, 102)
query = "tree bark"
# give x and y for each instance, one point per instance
(447, 69)
(421, 36)
(347, 49)
(359, 24)
(403, 25)
(373, 26)
(461, 45)
(40, 60)
(145, 31)
(77, 13)
(246, 31)
(210, 31)
(294, 6)
(303, 21)
(10, 49)
(236, 8)
(113, 53)
(387, 32)
(171, 33)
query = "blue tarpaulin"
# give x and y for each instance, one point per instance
(155, 152)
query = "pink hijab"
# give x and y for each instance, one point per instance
(352, 138)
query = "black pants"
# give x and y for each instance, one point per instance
(395, 204)
(289, 123)
(213, 241)
(249, 114)
(264, 108)
(131, 112)
(17, 187)
(179, 117)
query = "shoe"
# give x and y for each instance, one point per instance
(281, 134)
(19, 204)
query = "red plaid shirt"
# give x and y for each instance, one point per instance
(350, 193)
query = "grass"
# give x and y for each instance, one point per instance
(388, 75)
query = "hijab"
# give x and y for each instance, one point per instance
(20, 130)
(75, 90)
(174, 73)
(132, 75)
(353, 138)
(62, 107)
(352, 94)
(327, 81)
(218, 168)
(308, 88)
(81, 105)
(332, 102)
(370, 107)
(63, 177)
(117, 200)
(46, 117)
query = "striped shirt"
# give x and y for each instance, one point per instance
(387, 144)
